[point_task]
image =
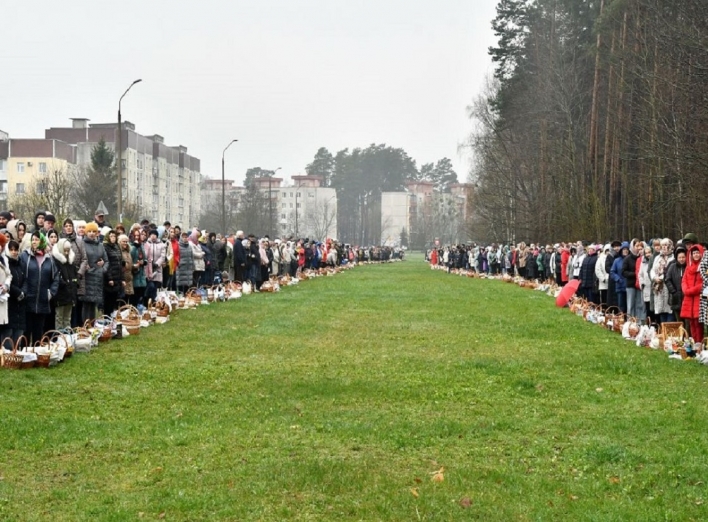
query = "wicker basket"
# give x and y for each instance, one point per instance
(11, 361)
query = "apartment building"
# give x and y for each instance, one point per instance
(162, 181)
(419, 209)
(24, 162)
(307, 209)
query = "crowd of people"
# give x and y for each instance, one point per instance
(55, 276)
(655, 281)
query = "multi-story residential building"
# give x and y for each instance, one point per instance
(161, 181)
(25, 162)
(307, 209)
(422, 211)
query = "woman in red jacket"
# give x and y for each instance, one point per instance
(692, 284)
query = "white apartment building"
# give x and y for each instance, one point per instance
(162, 181)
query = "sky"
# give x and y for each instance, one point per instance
(283, 77)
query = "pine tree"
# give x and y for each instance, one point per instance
(97, 183)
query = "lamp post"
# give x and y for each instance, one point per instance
(223, 189)
(120, 153)
(270, 203)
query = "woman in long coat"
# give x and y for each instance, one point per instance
(91, 273)
(40, 285)
(185, 268)
(692, 285)
(113, 282)
(662, 306)
(127, 263)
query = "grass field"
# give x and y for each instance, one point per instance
(341, 398)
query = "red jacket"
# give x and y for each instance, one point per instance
(692, 285)
(637, 268)
(565, 256)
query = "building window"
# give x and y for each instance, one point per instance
(41, 189)
(20, 168)
(3, 187)
(298, 194)
(42, 167)
(285, 205)
(310, 195)
(298, 205)
(19, 188)
(282, 216)
(291, 205)
(291, 194)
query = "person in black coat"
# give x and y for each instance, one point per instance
(239, 257)
(16, 320)
(68, 282)
(253, 260)
(40, 285)
(113, 281)
(587, 275)
(673, 278)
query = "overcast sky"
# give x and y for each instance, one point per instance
(283, 77)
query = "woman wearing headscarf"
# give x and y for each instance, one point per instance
(40, 285)
(692, 286)
(198, 254)
(662, 307)
(127, 266)
(5, 284)
(603, 277)
(15, 326)
(69, 233)
(643, 282)
(68, 281)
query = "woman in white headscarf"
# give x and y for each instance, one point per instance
(662, 305)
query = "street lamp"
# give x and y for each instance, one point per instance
(120, 153)
(223, 189)
(270, 202)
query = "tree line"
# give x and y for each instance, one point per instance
(594, 123)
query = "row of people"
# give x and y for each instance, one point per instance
(649, 280)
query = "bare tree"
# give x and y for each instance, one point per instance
(50, 191)
(319, 220)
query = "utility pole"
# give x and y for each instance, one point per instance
(119, 145)
(223, 189)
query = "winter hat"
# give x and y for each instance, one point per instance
(79, 223)
(6, 215)
(154, 232)
(50, 218)
(91, 227)
(691, 238)
(105, 230)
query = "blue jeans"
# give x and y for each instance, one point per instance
(622, 301)
(634, 301)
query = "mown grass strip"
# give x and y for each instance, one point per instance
(339, 398)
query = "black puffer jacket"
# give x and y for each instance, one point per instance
(39, 281)
(114, 270)
(185, 270)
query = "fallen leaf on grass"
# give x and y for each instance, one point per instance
(465, 502)
(614, 480)
(418, 480)
(414, 492)
(438, 476)
(573, 497)
(161, 515)
(598, 390)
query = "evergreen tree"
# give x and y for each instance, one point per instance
(97, 183)
(322, 165)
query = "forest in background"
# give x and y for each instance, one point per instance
(594, 123)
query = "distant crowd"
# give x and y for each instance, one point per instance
(60, 275)
(656, 280)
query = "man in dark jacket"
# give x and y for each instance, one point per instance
(239, 257)
(629, 272)
(253, 260)
(587, 275)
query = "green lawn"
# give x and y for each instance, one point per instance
(340, 398)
